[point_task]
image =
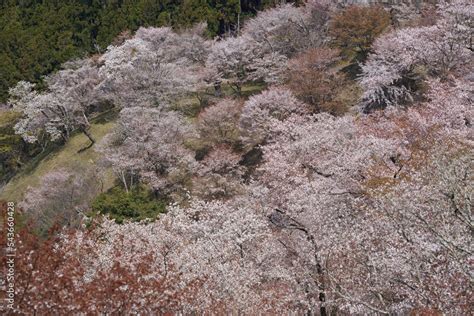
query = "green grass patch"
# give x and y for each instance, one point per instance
(8, 117)
(65, 157)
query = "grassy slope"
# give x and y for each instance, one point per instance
(68, 158)
(65, 157)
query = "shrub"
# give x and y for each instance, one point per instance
(136, 205)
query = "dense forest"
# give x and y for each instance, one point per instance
(310, 158)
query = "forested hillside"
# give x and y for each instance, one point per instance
(36, 36)
(317, 159)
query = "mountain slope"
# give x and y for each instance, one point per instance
(67, 157)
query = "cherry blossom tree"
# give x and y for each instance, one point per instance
(63, 108)
(428, 206)
(287, 29)
(148, 144)
(135, 76)
(218, 124)
(184, 48)
(403, 58)
(61, 198)
(449, 105)
(22, 98)
(153, 68)
(261, 111)
(241, 59)
(219, 174)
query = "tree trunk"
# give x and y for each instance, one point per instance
(282, 220)
(124, 181)
(89, 135)
(237, 88)
(217, 89)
